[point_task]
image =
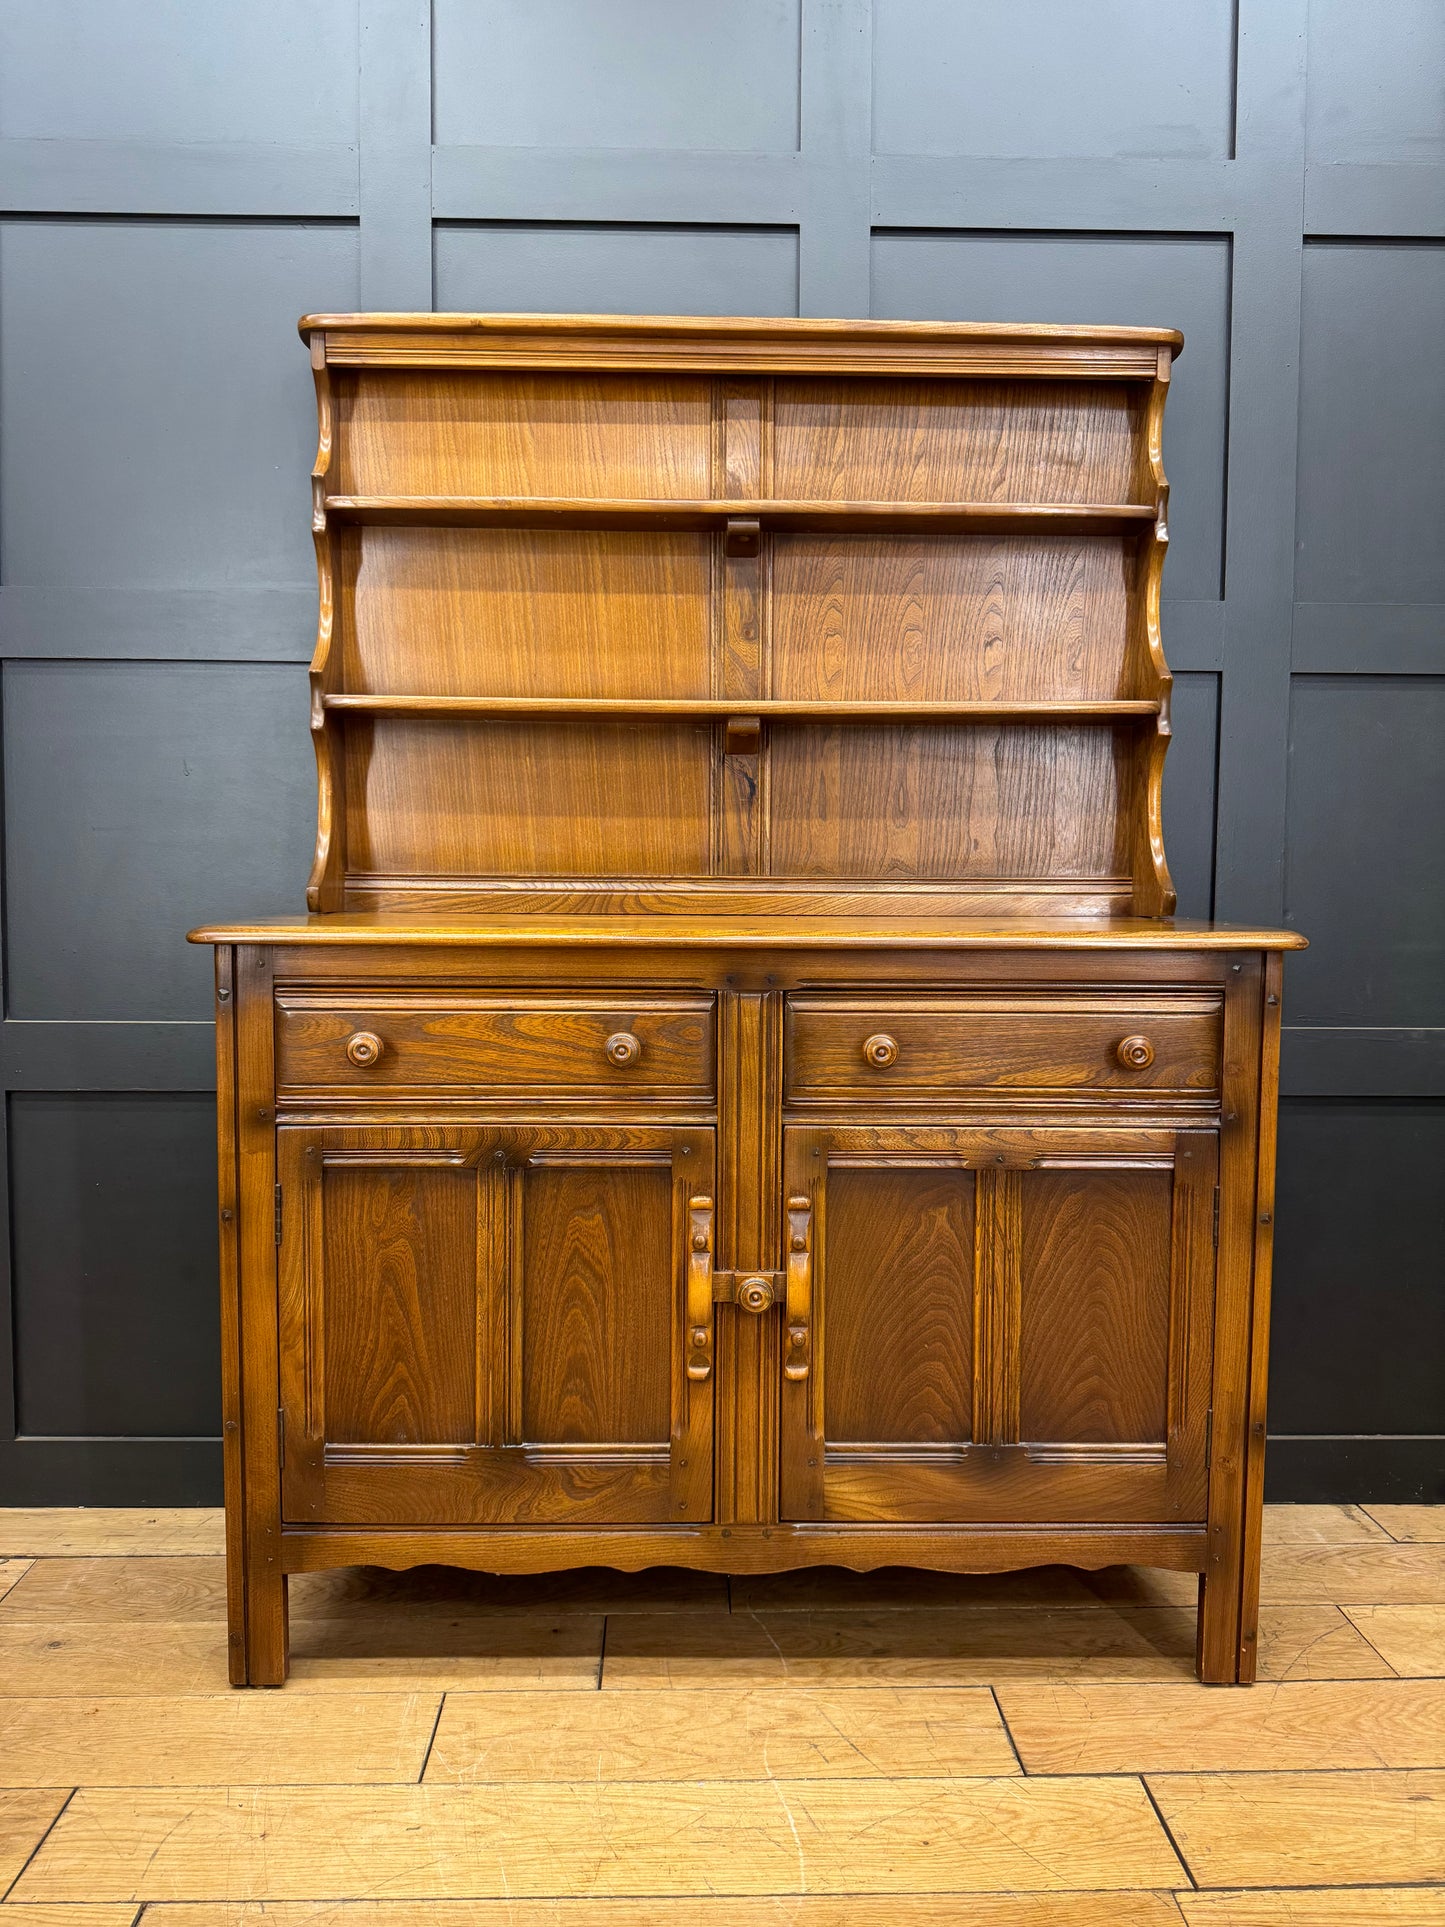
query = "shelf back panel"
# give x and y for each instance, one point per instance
(950, 441)
(525, 612)
(433, 796)
(907, 618)
(424, 433)
(947, 803)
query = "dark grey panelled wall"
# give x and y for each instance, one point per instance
(178, 183)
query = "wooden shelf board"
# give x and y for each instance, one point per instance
(502, 511)
(589, 708)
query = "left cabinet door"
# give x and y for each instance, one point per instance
(487, 1325)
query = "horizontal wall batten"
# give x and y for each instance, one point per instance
(1385, 1469)
(607, 184)
(158, 625)
(1369, 639)
(110, 1471)
(102, 1056)
(1379, 199)
(1324, 1061)
(238, 179)
(1163, 196)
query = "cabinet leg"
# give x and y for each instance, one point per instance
(267, 1632)
(1216, 1651)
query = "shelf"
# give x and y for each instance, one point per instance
(570, 512)
(589, 708)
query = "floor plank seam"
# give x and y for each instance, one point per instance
(38, 1845)
(1168, 1832)
(1007, 1729)
(426, 1757)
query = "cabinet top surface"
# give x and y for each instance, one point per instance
(675, 326)
(758, 933)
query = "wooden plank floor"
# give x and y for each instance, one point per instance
(819, 1749)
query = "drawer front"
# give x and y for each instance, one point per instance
(485, 1045)
(908, 1050)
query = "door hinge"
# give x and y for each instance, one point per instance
(281, 1438)
(1216, 1217)
(278, 1214)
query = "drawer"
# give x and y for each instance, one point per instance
(495, 1045)
(905, 1049)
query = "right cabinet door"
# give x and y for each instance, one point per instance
(998, 1325)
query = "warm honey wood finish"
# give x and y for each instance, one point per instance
(741, 1100)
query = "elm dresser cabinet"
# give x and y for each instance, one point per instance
(740, 1097)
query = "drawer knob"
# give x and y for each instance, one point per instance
(880, 1050)
(1135, 1053)
(364, 1048)
(755, 1294)
(622, 1048)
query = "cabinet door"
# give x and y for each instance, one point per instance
(487, 1325)
(1010, 1325)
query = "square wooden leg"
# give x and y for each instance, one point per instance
(267, 1630)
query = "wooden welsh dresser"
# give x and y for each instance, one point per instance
(741, 1098)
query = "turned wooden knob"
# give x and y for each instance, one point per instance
(880, 1050)
(755, 1294)
(364, 1048)
(1135, 1053)
(622, 1048)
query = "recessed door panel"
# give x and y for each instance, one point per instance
(898, 1251)
(486, 1325)
(997, 1325)
(1094, 1306)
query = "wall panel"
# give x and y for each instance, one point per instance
(529, 267)
(633, 74)
(178, 184)
(114, 1240)
(1045, 78)
(140, 799)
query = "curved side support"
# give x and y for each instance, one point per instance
(1154, 893)
(324, 889)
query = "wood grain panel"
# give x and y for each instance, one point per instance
(388, 1652)
(1321, 1525)
(24, 1816)
(1306, 1829)
(1132, 1909)
(1399, 1575)
(1411, 1638)
(860, 1836)
(946, 802)
(1318, 1907)
(903, 618)
(11, 1571)
(398, 1302)
(419, 433)
(427, 796)
(954, 1043)
(345, 1739)
(896, 1305)
(1094, 1308)
(597, 1289)
(1410, 1524)
(1087, 1727)
(922, 1648)
(524, 612)
(724, 1735)
(495, 1046)
(51, 1530)
(948, 441)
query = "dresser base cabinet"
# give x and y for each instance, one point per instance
(892, 1254)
